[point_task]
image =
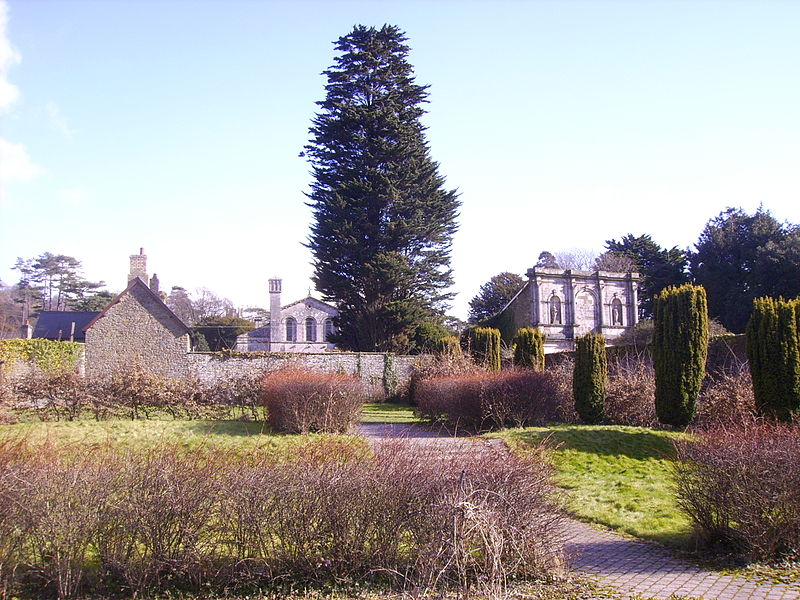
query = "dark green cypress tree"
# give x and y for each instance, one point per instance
(773, 353)
(485, 347)
(680, 349)
(529, 349)
(383, 222)
(590, 377)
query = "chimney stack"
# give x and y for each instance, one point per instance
(138, 267)
(274, 313)
(26, 331)
(154, 283)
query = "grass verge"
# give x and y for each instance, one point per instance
(388, 412)
(196, 433)
(615, 476)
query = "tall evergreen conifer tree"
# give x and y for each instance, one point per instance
(383, 222)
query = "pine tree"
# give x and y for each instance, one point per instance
(773, 353)
(590, 376)
(680, 349)
(383, 222)
(529, 349)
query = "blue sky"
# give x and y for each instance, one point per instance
(176, 125)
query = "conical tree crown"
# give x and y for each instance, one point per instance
(383, 222)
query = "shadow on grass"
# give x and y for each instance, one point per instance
(230, 428)
(636, 443)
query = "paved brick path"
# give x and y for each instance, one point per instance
(635, 567)
(631, 567)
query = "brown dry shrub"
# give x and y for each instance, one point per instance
(561, 372)
(301, 401)
(59, 395)
(741, 488)
(434, 366)
(630, 394)
(515, 397)
(726, 399)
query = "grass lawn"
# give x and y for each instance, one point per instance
(234, 434)
(388, 412)
(615, 476)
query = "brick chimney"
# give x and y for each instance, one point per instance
(138, 267)
(154, 283)
(26, 331)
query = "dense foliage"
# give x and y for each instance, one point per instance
(220, 333)
(590, 378)
(740, 257)
(680, 348)
(529, 349)
(494, 295)
(773, 352)
(658, 267)
(48, 355)
(383, 222)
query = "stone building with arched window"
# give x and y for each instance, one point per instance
(568, 304)
(302, 326)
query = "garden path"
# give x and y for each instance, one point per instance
(632, 567)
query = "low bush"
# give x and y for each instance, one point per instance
(741, 488)
(630, 394)
(133, 521)
(514, 398)
(726, 400)
(303, 401)
(444, 364)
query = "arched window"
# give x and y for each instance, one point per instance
(328, 329)
(291, 330)
(616, 312)
(555, 310)
(311, 330)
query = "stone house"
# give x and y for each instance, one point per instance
(568, 304)
(137, 330)
(302, 326)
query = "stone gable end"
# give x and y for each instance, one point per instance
(137, 330)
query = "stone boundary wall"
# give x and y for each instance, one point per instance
(209, 367)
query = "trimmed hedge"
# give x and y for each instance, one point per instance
(590, 378)
(773, 350)
(529, 349)
(485, 347)
(680, 349)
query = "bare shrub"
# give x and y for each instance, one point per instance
(494, 518)
(489, 399)
(630, 394)
(726, 399)
(156, 523)
(135, 390)
(63, 495)
(13, 473)
(564, 404)
(242, 394)
(445, 364)
(741, 488)
(58, 395)
(300, 401)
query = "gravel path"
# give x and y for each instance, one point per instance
(632, 567)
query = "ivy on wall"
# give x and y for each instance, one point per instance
(48, 355)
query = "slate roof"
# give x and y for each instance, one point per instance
(56, 324)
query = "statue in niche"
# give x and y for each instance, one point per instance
(555, 310)
(616, 312)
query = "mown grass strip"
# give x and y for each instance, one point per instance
(616, 476)
(388, 412)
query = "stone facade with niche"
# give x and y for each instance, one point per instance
(568, 304)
